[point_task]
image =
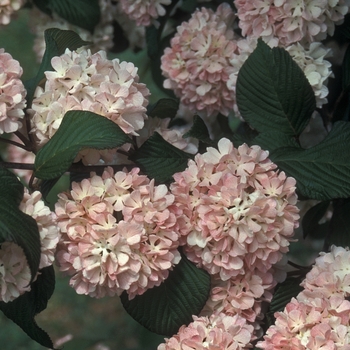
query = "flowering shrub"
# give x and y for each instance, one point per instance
(12, 93)
(185, 206)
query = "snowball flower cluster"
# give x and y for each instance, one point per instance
(12, 94)
(240, 295)
(118, 234)
(238, 212)
(319, 317)
(15, 274)
(311, 58)
(34, 206)
(91, 82)
(290, 21)
(197, 65)
(219, 331)
(144, 11)
(7, 8)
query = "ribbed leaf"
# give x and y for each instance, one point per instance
(159, 159)
(23, 309)
(82, 13)
(57, 41)
(310, 222)
(78, 130)
(340, 224)
(199, 131)
(323, 171)
(15, 226)
(164, 309)
(164, 108)
(285, 291)
(11, 188)
(273, 140)
(273, 93)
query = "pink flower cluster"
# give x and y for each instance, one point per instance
(218, 331)
(238, 213)
(90, 82)
(34, 206)
(319, 317)
(14, 270)
(12, 93)
(7, 8)
(242, 295)
(197, 65)
(118, 234)
(144, 11)
(290, 21)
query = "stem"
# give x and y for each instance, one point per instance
(298, 266)
(17, 144)
(11, 165)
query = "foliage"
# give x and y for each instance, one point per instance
(276, 102)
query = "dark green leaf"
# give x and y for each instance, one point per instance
(346, 70)
(340, 224)
(78, 130)
(164, 108)
(82, 13)
(322, 172)
(23, 309)
(159, 159)
(11, 188)
(57, 41)
(164, 309)
(310, 222)
(152, 40)
(273, 140)
(199, 131)
(285, 291)
(15, 226)
(47, 185)
(43, 5)
(273, 93)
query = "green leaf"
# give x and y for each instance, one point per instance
(310, 222)
(273, 93)
(85, 14)
(322, 172)
(346, 70)
(15, 226)
(57, 41)
(273, 140)
(340, 224)
(43, 5)
(164, 309)
(23, 309)
(164, 108)
(78, 130)
(159, 159)
(199, 131)
(11, 189)
(285, 291)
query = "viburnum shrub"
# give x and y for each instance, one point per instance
(186, 204)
